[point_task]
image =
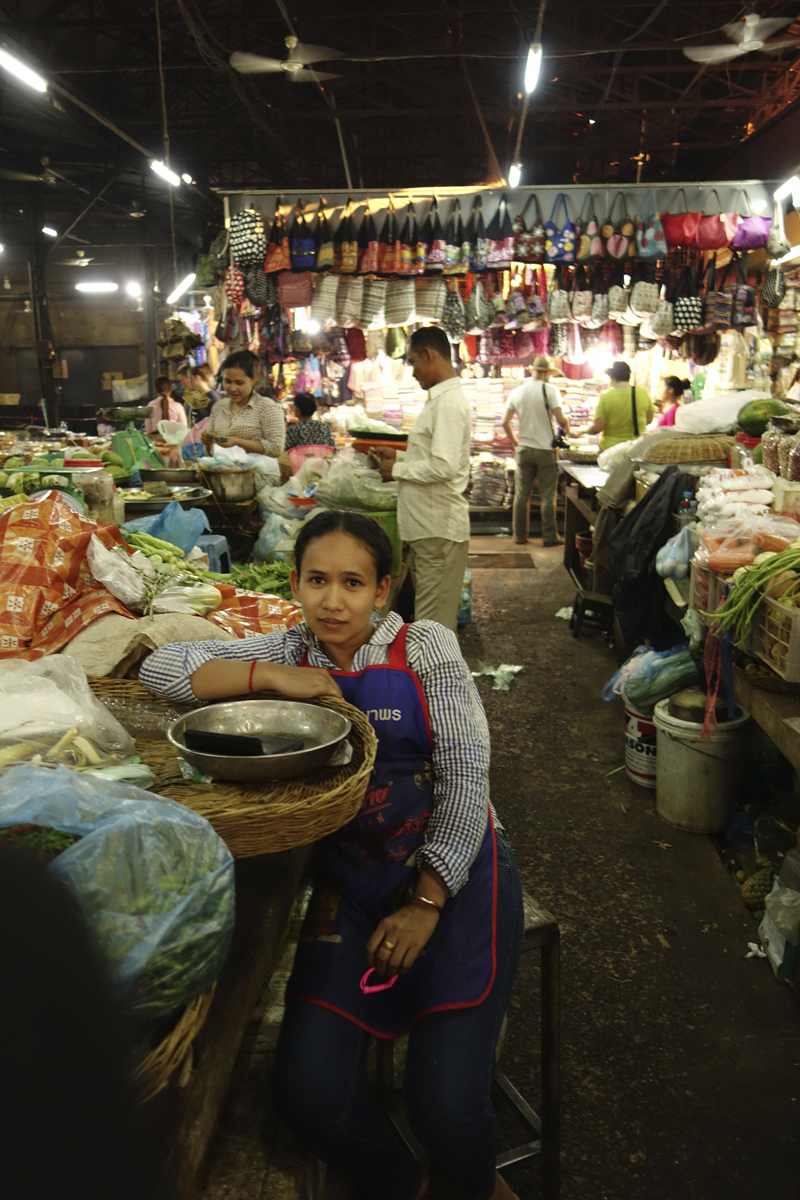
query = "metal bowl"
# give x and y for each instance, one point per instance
(184, 475)
(322, 730)
(230, 486)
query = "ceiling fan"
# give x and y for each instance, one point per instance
(747, 35)
(295, 66)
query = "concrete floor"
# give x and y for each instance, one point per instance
(681, 1058)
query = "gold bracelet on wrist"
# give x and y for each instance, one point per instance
(424, 900)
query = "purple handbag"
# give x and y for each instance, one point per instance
(753, 230)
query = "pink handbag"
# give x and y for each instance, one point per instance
(715, 231)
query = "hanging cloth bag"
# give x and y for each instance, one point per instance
(453, 240)
(662, 321)
(650, 241)
(753, 231)
(715, 231)
(368, 245)
(390, 258)
(560, 243)
(618, 232)
(599, 300)
(278, 257)
(718, 306)
(500, 237)
(777, 242)
(323, 304)
(687, 305)
(302, 246)
(436, 257)
(529, 243)
(234, 285)
(373, 304)
(644, 297)
(558, 300)
(454, 318)
(349, 299)
(591, 247)
(581, 298)
(400, 302)
(478, 312)
(773, 289)
(345, 243)
(323, 239)
(619, 298)
(744, 297)
(680, 228)
(409, 239)
(260, 288)
(476, 236)
(431, 295)
(295, 289)
(248, 239)
(425, 243)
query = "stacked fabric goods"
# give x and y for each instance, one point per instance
(488, 481)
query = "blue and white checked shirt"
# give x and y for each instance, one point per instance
(460, 730)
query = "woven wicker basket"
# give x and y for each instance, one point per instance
(579, 454)
(689, 448)
(266, 817)
(155, 1071)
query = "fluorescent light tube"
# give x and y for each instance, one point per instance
(20, 71)
(533, 67)
(163, 171)
(181, 288)
(98, 285)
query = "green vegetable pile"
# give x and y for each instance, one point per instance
(771, 573)
(44, 844)
(270, 578)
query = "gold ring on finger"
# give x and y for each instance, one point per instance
(390, 945)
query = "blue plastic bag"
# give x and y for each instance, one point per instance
(153, 880)
(180, 526)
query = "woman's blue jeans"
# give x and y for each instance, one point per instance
(320, 1081)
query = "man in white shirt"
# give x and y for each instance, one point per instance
(535, 403)
(432, 476)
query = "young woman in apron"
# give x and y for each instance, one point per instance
(416, 919)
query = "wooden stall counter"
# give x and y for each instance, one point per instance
(770, 710)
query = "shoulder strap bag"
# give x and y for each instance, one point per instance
(529, 243)
(753, 230)
(680, 228)
(633, 411)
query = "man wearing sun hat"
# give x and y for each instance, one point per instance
(537, 405)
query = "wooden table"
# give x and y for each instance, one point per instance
(770, 710)
(179, 1125)
(583, 482)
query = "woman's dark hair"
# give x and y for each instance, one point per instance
(619, 371)
(362, 528)
(676, 385)
(161, 381)
(306, 404)
(431, 337)
(244, 360)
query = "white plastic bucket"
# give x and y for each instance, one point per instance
(640, 747)
(698, 782)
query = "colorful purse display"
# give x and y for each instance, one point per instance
(302, 246)
(650, 241)
(278, 257)
(590, 245)
(753, 231)
(323, 239)
(715, 231)
(618, 234)
(390, 255)
(560, 243)
(368, 245)
(345, 243)
(500, 237)
(529, 244)
(680, 229)
(476, 236)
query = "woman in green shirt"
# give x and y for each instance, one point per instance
(613, 418)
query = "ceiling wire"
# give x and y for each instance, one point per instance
(165, 136)
(662, 4)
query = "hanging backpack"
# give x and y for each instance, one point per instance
(218, 253)
(248, 240)
(368, 246)
(560, 243)
(687, 305)
(650, 241)
(529, 244)
(618, 232)
(302, 247)
(345, 244)
(500, 238)
(234, 286)
(390, 258)
(591, 247)
(777, 242)
(715, 231)
(278, 257)
(476, 236)
(260, 288)
(478, 312)
(454, 317)
(323, 239)
(753, 231)
(680, 229)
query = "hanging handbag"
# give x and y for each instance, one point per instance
(718, 303)
(686, 303)
(349, 298)
(277, 256)
(205, 273)
(408, 244)
(557, 340)
(743, 297)
(773, 289)
(454, 261)
(234, 286)
(432, 238)
(581, 298)
(680, 229)
(390, 257)
(715, 231)
(662, 321)
(368, 246)
(424, 242)
(476, 236)
(560, 243)
(295, 289)
(529, 243)
(777, 242)
(619, 298)
(600, 314)
(753, 231)
(618, 234)
(219, 253)
(323, 239)
(644, 298)
(500, 236)
(373, 304)
(302, 247)
(260, 288)
(650, 241)
(323, 304)
(339, 352)
(558, 301)
(345, 243)
(454, 319)
(248, 239)
(523, 345)
(431, 294)
(400, 301)
(478, 312)
(591, 247)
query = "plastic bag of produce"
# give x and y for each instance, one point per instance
(154, 881)
(672, 560)
(651, 675)
(117, 570)
(274, 530)
(47, 708)
(182, 527)
(350, 486)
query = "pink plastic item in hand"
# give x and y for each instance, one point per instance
(380, 987)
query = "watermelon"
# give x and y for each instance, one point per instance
(755, 416)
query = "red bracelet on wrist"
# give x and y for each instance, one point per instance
(250, 681)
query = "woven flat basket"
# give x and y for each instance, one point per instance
(154, 1072)
(266, 817)
(689, 448)
(579, 454)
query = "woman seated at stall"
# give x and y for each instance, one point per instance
(671, 398)
(164, 407)
(306, 431)
(243, 417)
(420, 886)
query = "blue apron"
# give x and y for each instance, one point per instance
(368, 871)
